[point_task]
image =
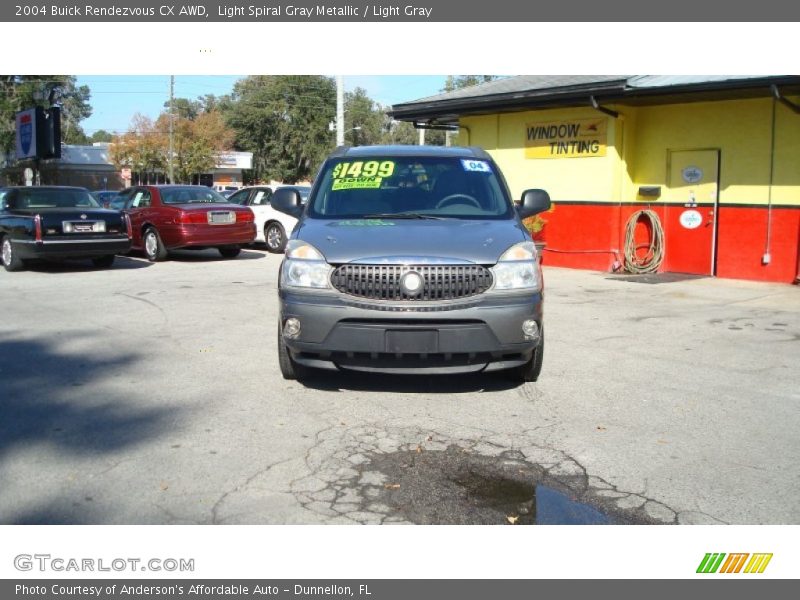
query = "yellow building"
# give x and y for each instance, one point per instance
(704, 168)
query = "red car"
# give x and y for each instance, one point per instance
(169, 217)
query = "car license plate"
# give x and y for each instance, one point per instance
(83, 226)
(406, 342)
(221, 217)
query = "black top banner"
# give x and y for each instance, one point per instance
(402, 11)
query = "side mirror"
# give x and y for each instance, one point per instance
(533, 202)
(287, 200)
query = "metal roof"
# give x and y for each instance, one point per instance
(84, 155)
(654, 81)
(528, 92)
(521, 83)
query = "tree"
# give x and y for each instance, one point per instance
(362, 112)
(435, 137)
(185, 108)
(101, 135)
(197, 142)
(457, 82)
(74, 108)
(399, 132)
(143, 148)
(20, 92)
(75, 136)
(283, 120)
(210, 102)
(376, 127)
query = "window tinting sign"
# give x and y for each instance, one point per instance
(692, 174)
(573, 138)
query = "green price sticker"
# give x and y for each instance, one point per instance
(361, 175)
(357, 183)
(360, 168)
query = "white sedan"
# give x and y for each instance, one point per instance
(272, 227)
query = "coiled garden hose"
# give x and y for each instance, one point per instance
(651, 261)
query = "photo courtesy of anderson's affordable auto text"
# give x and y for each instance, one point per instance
(284, 296)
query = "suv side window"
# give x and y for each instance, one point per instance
(3, 199)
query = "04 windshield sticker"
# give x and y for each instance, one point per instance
(476, 166)
(361, 175)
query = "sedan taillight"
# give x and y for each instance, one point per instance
(128, 226)
(245, 216)
(37, 225)
(192, 218)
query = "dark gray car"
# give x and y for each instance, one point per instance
(410, 259)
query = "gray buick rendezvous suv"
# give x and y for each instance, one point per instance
(410, 259)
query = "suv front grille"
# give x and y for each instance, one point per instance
(439, 282)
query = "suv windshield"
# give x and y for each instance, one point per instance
(196, 194)
(410, 187)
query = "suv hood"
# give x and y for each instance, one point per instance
(393, 241)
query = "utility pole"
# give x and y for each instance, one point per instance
(339, 110)
(171, 127)
(421, 136)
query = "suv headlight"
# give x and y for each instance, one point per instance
(518, 269)
(305, 267)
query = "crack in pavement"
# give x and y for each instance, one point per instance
(342, 479)
(240, 487)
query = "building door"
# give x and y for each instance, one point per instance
(692, 203)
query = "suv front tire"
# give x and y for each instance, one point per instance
(530, 370)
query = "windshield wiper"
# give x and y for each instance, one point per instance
(404, 215)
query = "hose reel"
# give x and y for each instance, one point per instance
(652, 259)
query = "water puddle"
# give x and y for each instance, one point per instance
(529, 503)
(458, 487)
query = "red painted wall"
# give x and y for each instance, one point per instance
(583, 236)
(742, 241)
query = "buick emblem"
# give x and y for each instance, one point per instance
(411, 283)
(83, 216)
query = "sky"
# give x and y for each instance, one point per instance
(115, 99)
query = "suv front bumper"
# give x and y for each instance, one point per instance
(482, 333)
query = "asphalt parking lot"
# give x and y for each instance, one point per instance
(150, 393)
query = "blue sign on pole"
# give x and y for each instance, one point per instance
(26, 134)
